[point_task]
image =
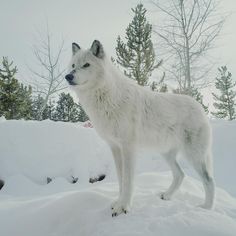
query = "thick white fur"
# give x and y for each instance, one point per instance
(128, 116)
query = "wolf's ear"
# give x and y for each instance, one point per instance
(97, 49)
(75, 48)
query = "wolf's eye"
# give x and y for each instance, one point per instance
(86, 65)
(73, 65)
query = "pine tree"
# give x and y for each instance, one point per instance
(199, 98)
(159, 86)
(66, 109)
(50, 110)
(37, 104)
(82, 114)
(36, 107)
(25, 101)
(14, 96)
(225, 102)
(137, 55)
(8, 88)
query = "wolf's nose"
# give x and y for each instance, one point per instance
(69, 77)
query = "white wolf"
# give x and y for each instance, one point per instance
(127, 116)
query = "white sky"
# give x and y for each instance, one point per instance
(83, 21)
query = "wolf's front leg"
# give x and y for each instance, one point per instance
(128, 165)
(117, 155)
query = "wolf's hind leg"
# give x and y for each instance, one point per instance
(177, 173)
(208, 184)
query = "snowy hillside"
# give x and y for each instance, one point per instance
(31, 152)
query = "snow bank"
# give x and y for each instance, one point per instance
(32, 151)
(44, 149)
(224, 154)
(51, 149)
(87, 212)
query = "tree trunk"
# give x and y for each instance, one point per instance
(187, 69)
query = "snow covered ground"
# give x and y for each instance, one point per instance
(30, 152)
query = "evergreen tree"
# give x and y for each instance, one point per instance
(36, 107)
(25, 102)
(14, 96)
(225, 102)
(37, 104)
(50, 110)
(137, 55)
(159, 86)
(66, 109)
(82, 114)
(199, 98)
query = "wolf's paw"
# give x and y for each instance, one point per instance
(113, 204)
(205, 206)
(119, 207)
(165, 196)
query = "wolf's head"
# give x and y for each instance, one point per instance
(87, 66)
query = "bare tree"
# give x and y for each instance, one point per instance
(187, 32)
(48, 78)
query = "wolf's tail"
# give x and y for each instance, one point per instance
(209, 164)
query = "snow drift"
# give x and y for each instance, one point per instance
(32, 151)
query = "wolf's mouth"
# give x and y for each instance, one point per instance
(72, 83)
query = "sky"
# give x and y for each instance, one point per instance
(79, 21)
(82, 21)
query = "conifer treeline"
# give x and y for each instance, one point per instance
(136, 57)
(18, 102)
